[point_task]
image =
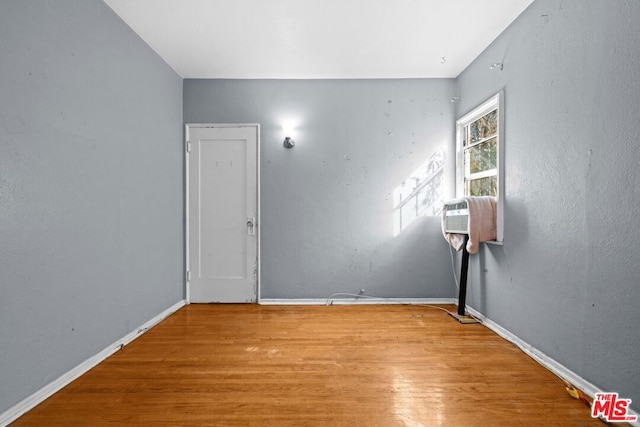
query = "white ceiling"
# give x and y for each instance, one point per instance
(318, 38)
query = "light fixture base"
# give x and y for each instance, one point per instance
(288, 142)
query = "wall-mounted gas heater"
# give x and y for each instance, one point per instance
(456, 220)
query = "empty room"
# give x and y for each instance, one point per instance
(364, 213)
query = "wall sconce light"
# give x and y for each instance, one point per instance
(288, 130)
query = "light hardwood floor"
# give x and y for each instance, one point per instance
(376, 365)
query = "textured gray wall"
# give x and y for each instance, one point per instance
(327, 218)
(90, 187)
(566, 280)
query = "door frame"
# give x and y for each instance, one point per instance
(258, 224)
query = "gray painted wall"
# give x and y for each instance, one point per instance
(566, 279)
(327, 217)
(90, 188)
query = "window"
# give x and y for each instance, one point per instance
(421, 194)
(479, 164)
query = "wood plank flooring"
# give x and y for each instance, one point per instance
(368, 365)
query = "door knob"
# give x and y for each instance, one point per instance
(251, 226)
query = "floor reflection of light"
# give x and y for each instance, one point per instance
(416, 405)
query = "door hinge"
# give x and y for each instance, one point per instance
(188, 146)
(188, 276)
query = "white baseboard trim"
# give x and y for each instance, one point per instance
(558, 369)
(355, 301)
(39, 396)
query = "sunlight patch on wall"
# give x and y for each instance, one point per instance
(421, 194)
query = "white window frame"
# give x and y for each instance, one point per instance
(495, 102)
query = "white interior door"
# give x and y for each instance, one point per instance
(222, 164)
